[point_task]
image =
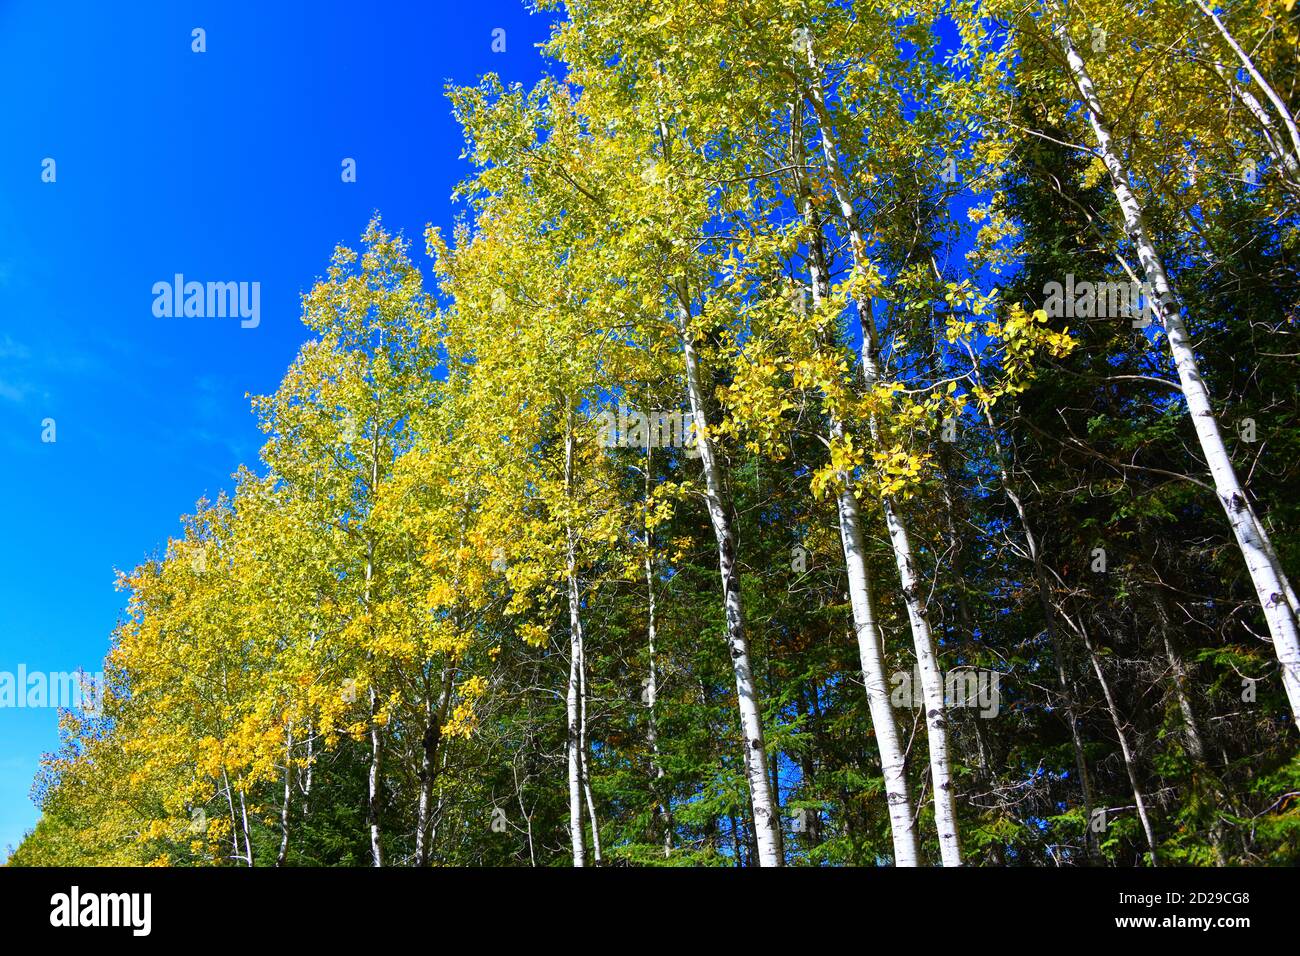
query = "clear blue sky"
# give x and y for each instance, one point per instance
(224, 166)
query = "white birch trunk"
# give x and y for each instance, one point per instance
(311, 765)
(932, 687)
(435, 716)
(751, 720)
(893, 764)
(584, 752)
(373, 781)
(1270, 583)
(374, 776)
(243, 815)
(945, 810)
(1290, 165)
(652, 681)
(234, 821)
(573, 697)
(288, 795)
(1249, 65)
(573, 745)
(766, 824)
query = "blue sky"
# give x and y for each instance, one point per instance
(224, 166)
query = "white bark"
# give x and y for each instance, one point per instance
(374, 777)
(573, 697)
(932, 688)
(1288, 160)
(766, 823)
(311, 766)
(234, 820)
(1249, 65)
(652, 681)
(751, 720)
(435, 717)
(893, 763)
(288, 795)
(248, 842)
(1270, 583)
(373, 781)
(584, 752)
(945, 810)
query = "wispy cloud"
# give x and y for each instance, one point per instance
(11, 391)
(9, 349)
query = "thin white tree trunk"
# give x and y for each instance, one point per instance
(234, 820)
(1129, 765)
(1117, 722)
(1271, 586)
(766, 823)
(652, 681)
(893, 763)
(751, 719)
(311, 766)
(945, 809)
(374, 777)
(288, 795)
(1053, 637)
(1278, 104)
(932, 687)
(428, 745)
(435, 717)
(573, 697)
(243, 814)
(573, 738)
(373, 781)
(1290, 165)
(584, 752)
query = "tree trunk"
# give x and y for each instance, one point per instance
(288, 794)
(243, 816)
(766, 824)
(1117, 722)
(234, 820)
(658, 782)
(1290, 174)
(573, 697)
(893, 764)
(945, 810)
(1248, 64)
(1271, 586)
(584, 751)
(431, 741)
(374, 779)
(1193, 738)
(965, 630)
(1047, 608)
(751, 718)
(311, 766)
